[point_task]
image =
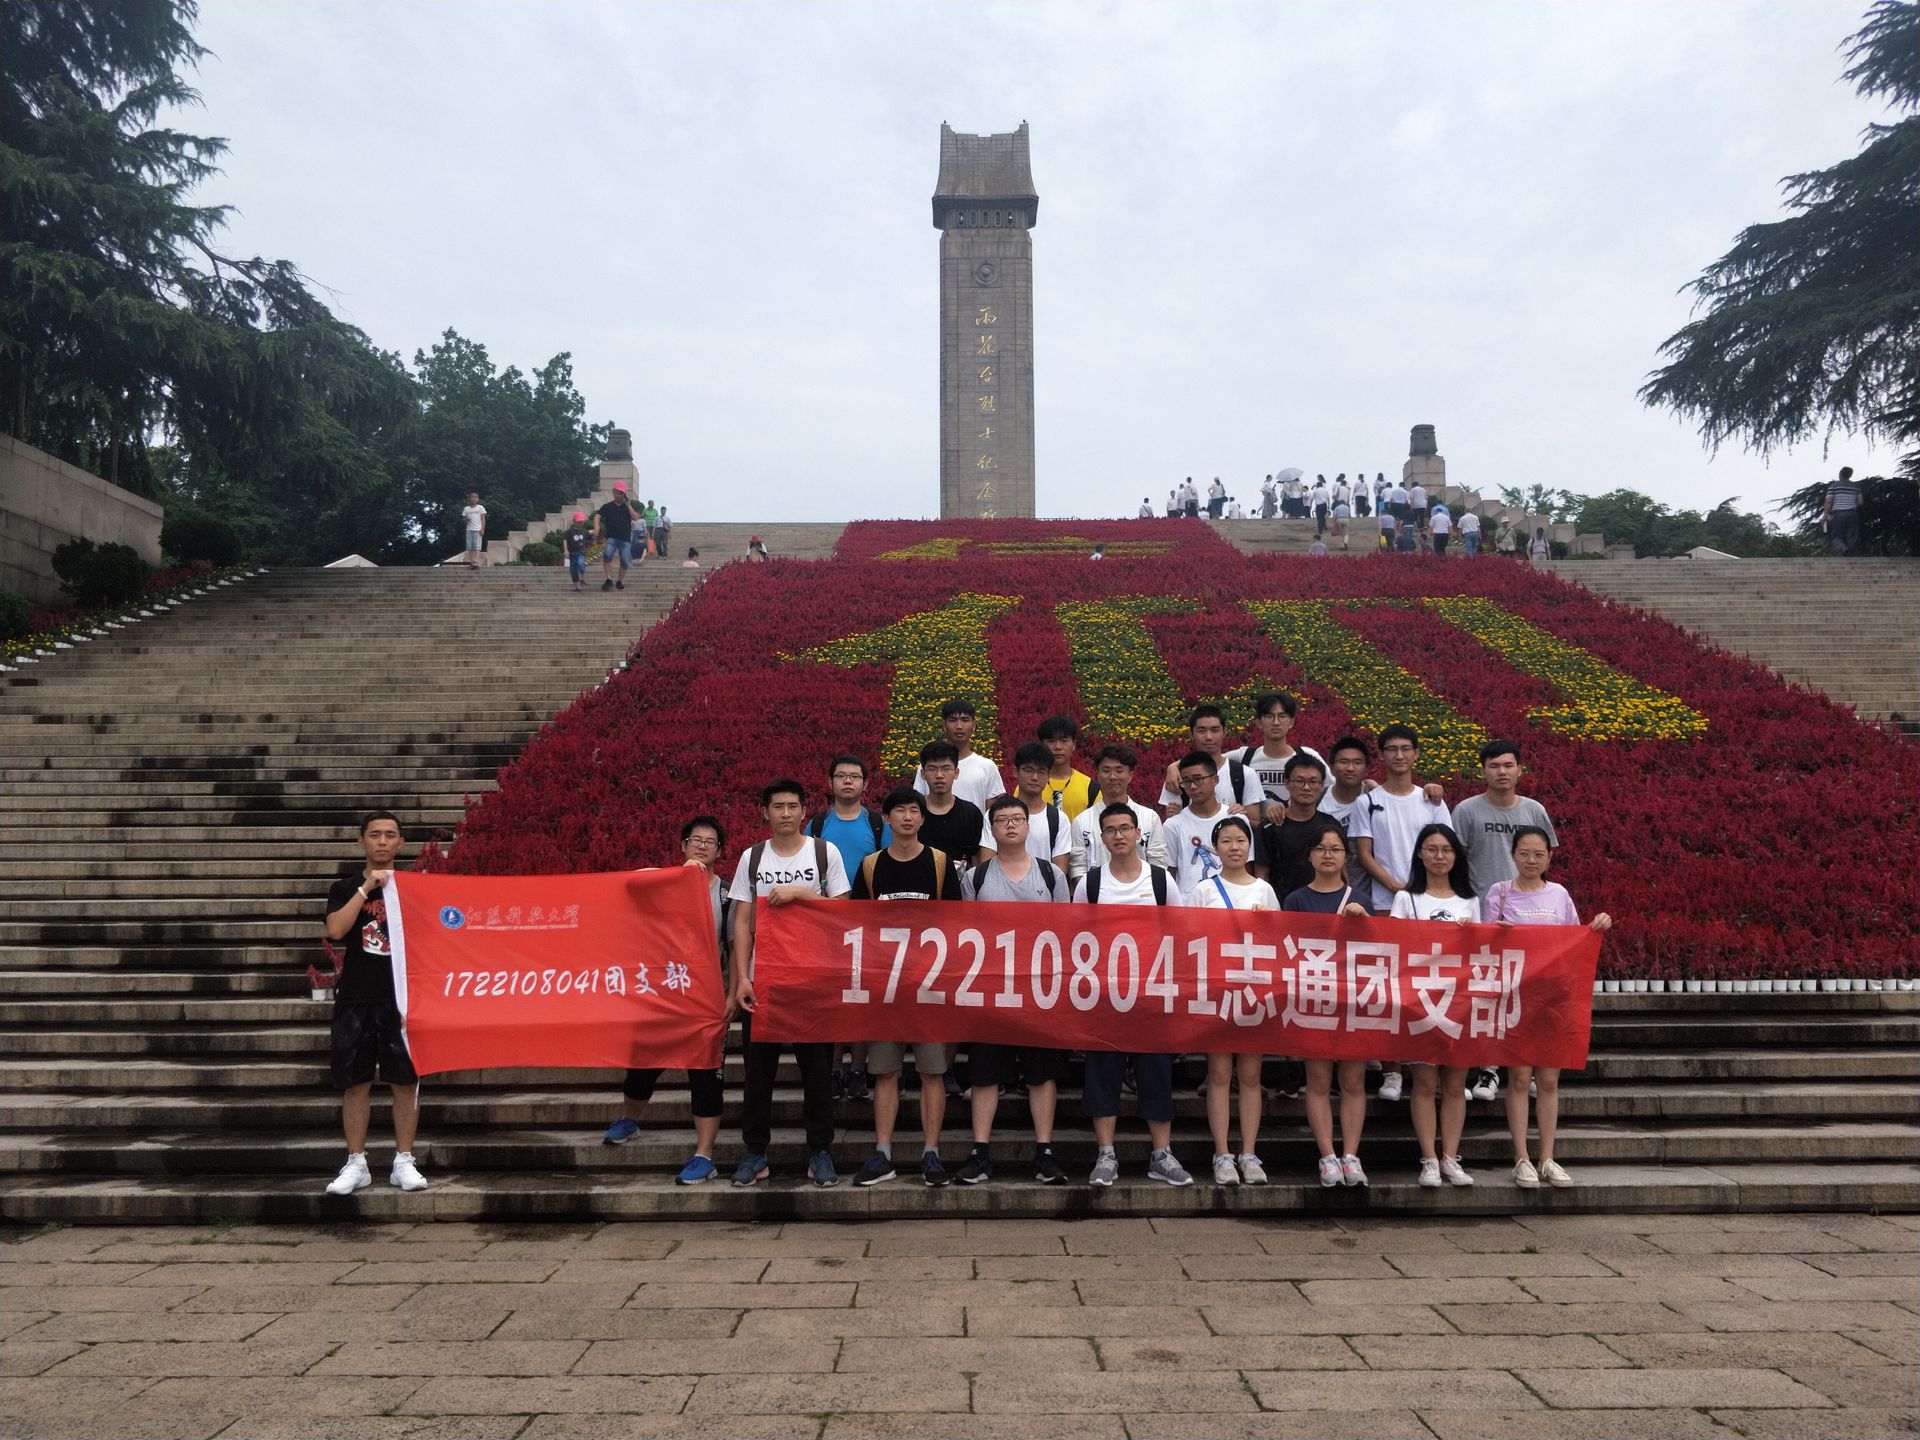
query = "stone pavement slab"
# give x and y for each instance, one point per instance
(1199, 1329)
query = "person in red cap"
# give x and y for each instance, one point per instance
(756, 549)
(576, 540)
(613, 525)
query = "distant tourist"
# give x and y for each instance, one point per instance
(1146, 507)
(1389, 522)
(1318, 549)
(1417, 497)
(474, 517)
(1840, 514)
(1440, 523)
(1173, 502)
(1407, 540)
(1235, 510)
(662, 531)
(576, 541)
(1470, 532)
(650, 518)
(613, 527)
(1269, 500)
(1099, 550)
(1216, 498)
(692, 562)
(1532, 899)
(756, 548)
(1190, 501)
(1538, 550)
(368, 1036)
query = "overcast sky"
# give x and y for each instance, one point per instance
(1269, 234)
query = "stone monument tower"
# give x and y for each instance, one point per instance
(984, 206)
(1425, 464)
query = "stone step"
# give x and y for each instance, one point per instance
(1601, 1189)
(92, 985)
(228, 959)
(137, 932)
(47, 789)
(1285, 1146)
(255, 887)
(587, 1108)
(1682, 1071)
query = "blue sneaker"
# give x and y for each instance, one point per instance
(820, 1169)
(877, 1170)
(932, 1171)
(751, 1170)
(696, 1171)
(620, 1132)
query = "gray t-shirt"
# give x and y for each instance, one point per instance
(1487, 832)
(994, 884)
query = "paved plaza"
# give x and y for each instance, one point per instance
(1649, 1325)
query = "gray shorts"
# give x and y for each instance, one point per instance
(476, 539)
(885, 1057)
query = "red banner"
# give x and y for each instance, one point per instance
(598, 971)
(1153, 980)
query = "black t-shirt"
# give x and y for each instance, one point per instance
(913, 879)
(1284, 848)
(577, 540)
(1321, 902)
(367, 975)
(957, 832)
(616, 520)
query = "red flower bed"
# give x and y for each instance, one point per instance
(1780, 840)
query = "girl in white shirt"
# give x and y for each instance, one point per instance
(1235, 887)
(1439, 889)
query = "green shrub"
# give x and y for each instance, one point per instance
(15, 613)
(94, 575)
(190, 535)
(540, 552)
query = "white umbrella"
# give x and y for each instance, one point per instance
(1292, 472)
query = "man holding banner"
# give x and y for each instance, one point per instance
(369, 1032)
(784, 867)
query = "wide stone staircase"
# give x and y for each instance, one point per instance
(1850, 628)
(176, 798)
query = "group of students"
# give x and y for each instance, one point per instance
(1265, 826)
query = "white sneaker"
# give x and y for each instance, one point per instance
(1430, 1174)
(1252, 1172)
(406, 1175)
(1486, 1085)
(1329, 1171)
(1554, 1175)
(1525, 1176)
(1224, 1172)
(1455, 1173)
(1390, 1087)
(1350, 1171)
(353, 1176)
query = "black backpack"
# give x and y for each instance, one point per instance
(1091, 888)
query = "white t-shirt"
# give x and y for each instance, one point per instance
(475, 516)
(1049, 835)
(1392, 822)
(1418, 496)
(1469, 524)
(1090, 851)
(1408, 906)
(1396, 495)
(799, 868)
(1441, 521)
(1138, 891)
(1250, 792)
(1190, 852)
(979, 781)
(1256, 895)
(1146, 511)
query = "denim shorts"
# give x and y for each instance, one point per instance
(621, 550)
(476, 539)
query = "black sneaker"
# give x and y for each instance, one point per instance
(857, 1085)
(877, 1170)
(932, 1171)
(619, 584)
(955, 1091)
(839, 1082)
(1047, 1170)
(606, 584)
(977, 1168)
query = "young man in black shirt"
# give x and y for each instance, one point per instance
(613, 524)
(367, 1033)
(953, 825)
(1284, 842)
(905, 870)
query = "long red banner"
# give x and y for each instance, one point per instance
(1151, 980)
(615, 970)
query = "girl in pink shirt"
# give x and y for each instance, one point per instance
(1532, 899)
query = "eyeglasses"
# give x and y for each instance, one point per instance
(703, 839)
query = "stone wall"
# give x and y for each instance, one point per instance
(46, 502)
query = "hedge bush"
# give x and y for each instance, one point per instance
(110, 574)
(16, 614)
(539, 552)
(190, 535)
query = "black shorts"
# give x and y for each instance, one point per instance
(1152, 1078)
(704, 1086)
(999, 1064)
(367, 1036)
